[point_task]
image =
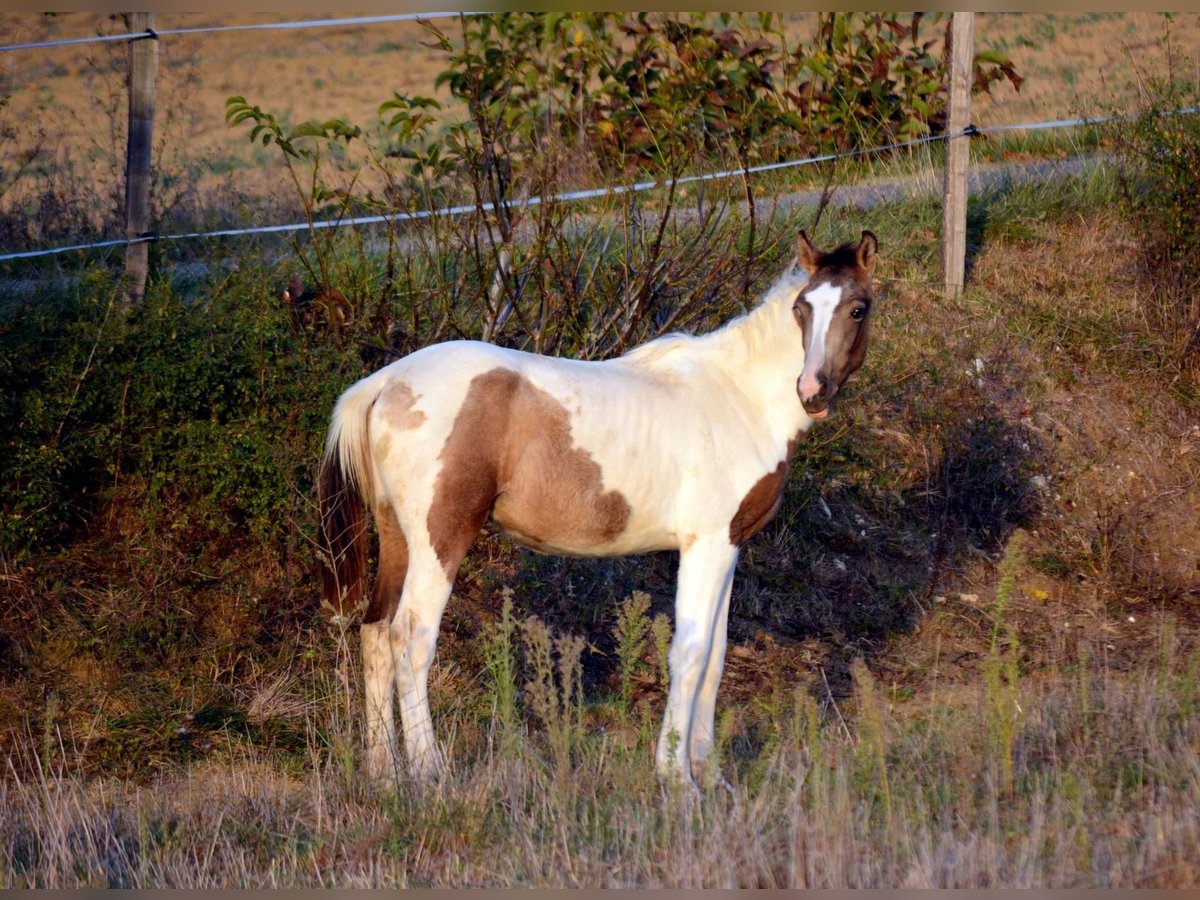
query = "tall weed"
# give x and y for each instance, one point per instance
(1001, 668)
(554, 690)
(500, 660)
(632, 630)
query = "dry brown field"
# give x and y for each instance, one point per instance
(71, 99)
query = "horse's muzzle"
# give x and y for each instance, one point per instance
(818, 405)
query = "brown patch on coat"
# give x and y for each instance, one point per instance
(510, 454)
(397, 406)
(762, 501)
(382, 447)
(393, 567)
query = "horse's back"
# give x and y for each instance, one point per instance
(560, 452)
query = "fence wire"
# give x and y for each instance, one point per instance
(214, 29)
(570, 196)
(567, 197)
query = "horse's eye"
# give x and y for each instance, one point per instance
(859, 312)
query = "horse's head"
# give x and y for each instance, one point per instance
(833, 311)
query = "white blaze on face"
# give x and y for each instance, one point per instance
(823, 300)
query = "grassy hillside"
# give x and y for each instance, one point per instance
(964, 654)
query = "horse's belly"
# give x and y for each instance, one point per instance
(595, 525)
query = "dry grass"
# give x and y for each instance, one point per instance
(1081, 63)
(1069, 59)
(65, 99)
(1103, 792)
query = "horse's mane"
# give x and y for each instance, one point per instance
(747, 331)
(653, 351)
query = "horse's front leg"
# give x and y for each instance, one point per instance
(704, 727)
(701, 610)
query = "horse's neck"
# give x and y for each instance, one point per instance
(762, 354)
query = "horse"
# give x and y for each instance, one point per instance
(311, 307)
(683, 443)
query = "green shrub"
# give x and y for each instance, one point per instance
(52, 351)
(206, 410)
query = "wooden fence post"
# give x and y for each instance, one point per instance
(954, 186)
(143, 67)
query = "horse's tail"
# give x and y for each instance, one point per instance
(345, 483)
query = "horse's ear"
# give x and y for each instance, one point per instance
(808, 255)
(867, 252)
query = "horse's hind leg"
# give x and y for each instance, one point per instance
(379, 672)
(438, 541)
(413, 636)
(379, 677)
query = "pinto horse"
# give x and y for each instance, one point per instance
(683, 443)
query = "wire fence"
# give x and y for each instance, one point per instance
(566, 197)
(400, 216)
(570, 196)
(214, 29)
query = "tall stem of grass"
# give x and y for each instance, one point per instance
(499, 658)
(1001, 669)
(872, 736)
(632, 631)
(555, 698)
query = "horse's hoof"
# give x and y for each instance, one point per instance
(708, 774)
(678, 783)
(381, 766)
(429, 768)
(719, 782)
